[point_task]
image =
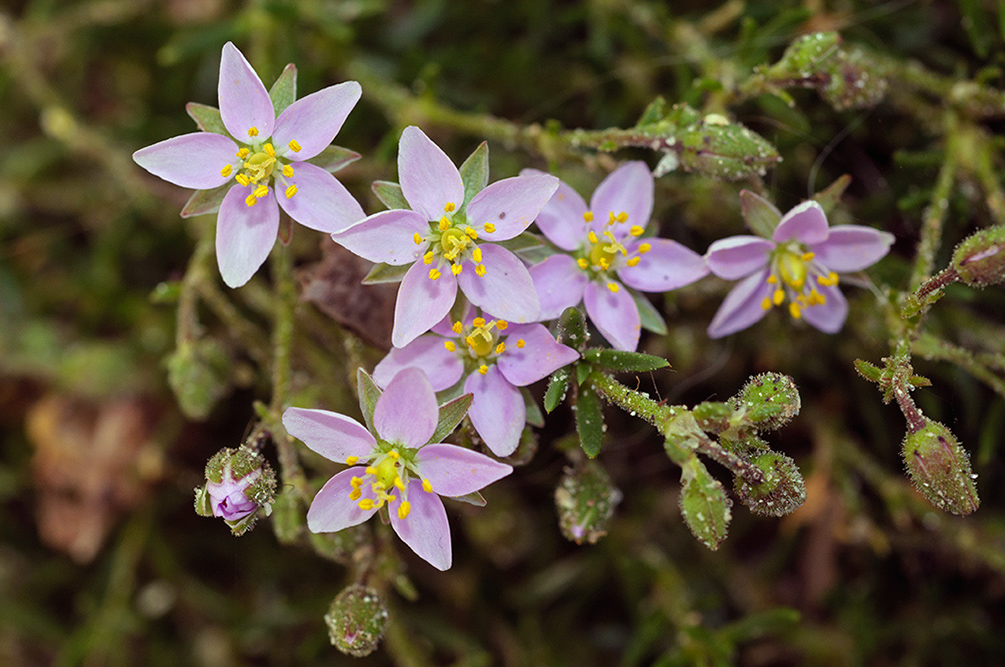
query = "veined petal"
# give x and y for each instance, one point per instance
(427, 353)
(406, 412)
(456, 471)
(559, 283)
(852, 248)
(561, 220)
(615, 315)
(510, 204)
(332, 510)
(806, 223)
(667, 266)
(421, 303)
(829, 316)
(191, 160)
(506, 290)
(313, 121)
(321, 202)
(425, 530)
(388, 237)
(330, 434)
(627, 189)
(429, 180)
(497, 410)
(244, 101)
(742, 307)
(245, 234)
(540, 356)
(738, 256)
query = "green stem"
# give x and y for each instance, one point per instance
(932, 222)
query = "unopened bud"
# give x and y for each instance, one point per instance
(585, 500)
(854, 83)
(979, 260)
(940, 469)
(782, 490)
(572, 329)
(239, 483)
(356, 620)
(769, 401)
(198, 373)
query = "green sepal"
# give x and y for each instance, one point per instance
(651, 319)
(582, 372)
(558, 385)
(522, 244)
(623, 361)
(829, 197)
(284, 91)
(919, 381)
(870, 372)
(474, 498)
(386, 273)
(207, 118)
(475, 172)
(389, 194)
(806, 56)
(724, 150)
(203, 502)
(572, 329)
(760, 214)
(333, 158)
(451, 414)
(713, 416)
(589, 421)
(654, 113)
(534, 415)
(204, 202)
(704, 504)
(368, 392)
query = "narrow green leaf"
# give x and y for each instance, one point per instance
(334, 158)
(654, 113)
(761, 215)
(386, 273)
(203, 202)
(829, 197)
(284, 90)
(534, 415)
(582, 371)
(368, 392)
(475, 172)
(870, 372)
(558, 385)
(704, 504)
(389, 194)
(651, 318)
(206, 118)
(589, 421)
(620, 360)
(451, 414)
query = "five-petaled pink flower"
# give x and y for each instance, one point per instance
(604, 250)
(800, 264)
(399, 470)
(447, 236)
(495, 358)
(265, 156)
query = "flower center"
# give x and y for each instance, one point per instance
(258, 165)
(483, 343)
(452, 241)
(600, 254)
(386, 475)
(795, 276)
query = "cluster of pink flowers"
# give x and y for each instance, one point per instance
(451, 240)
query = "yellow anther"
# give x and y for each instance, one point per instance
(644, 248)
(610, 218)
(772, 279)
(227, 169)
(795, 311)
(426, 486)
(500, 348)
(287, 171)
(417, 238)
(444, 224)
(351, 460)
(428, 258)
(366, 504)
(434, 274)
(604, 264)
(588, 216)
(483, 369)
(457, 327)
(583, 264)
(636, 230)
(622, 217)
(291, 190)
(808, 256)
(294, 146)
(370, 470)
(449, 208)
(613, 286)
(269, 150)
(520, 342)
(502, 325)
(766, 304)
(480, 269)
(828, 280)
(261, 190)
(243, 153)
(398, 484)
(355, 494)
(778, 297)
(489, 227)
(470, 340)
(403, 509)
(242, 179)
(478, 322)
(455, 269)
(633, 261)
(252, 131)
(250, 200)
(394, 455)
(356, 482)
(592, 236)
(449, 344)
(471, 232)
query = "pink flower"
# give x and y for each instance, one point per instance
(494, 358)
(448, 237)
(800, 264)
(393, 467)
(266, 158)
(604, 248)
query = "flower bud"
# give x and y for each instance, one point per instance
(979, 260)
(782, 490)
(356, 620)
(769, 400)
(239, 482)
(585, 500)
(198, 373)
(572, 329)
(940, 469)
(854, 82)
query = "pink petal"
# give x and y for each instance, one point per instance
(540, 356)
(510, 204)
(421, 303)
(244, 234)
(506, 290)
(561, 219)
(806, 223)
(456, 471)
(313, 121)
(742, 306)
(190, 160)
(429, 179)
(497, 411)
(332, 510)
(559, 283)
(614, 314)
(667, 266)
(330, 434)
(244, 101)
(406, 413)
(386, 237)
(427, 353)
(828, 317)
(628, 189)
(321, 202)
(425, 530)
(738, 256)
(852, 248)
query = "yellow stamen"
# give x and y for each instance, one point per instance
(449, 344)
(261, 190)
(476, 254)
(434, 274)
(394, 455)
(483, 369)
(449, 208)
(243, 153)
(354, 494)
(370, 470)
(588, 216)
(403, 510)
(772, 279)
(457, 327)
(356, 482)
(269, 150)
(455, 269)
(250, 200)
(778, 297)
(807, 256)
(294, 146)
(444, 224)
(614, 287)
(610, 218)
(480, 269)
(352, 460)
(291, 190)
(489, 227)
(366, 504)
(252, 131)
(470, 231)
(500, 348)
(426, 486)
(636, 230)
(398, 484)
(622, 217)
(478, 322)
(604, 264)
(644, 248)
(592, 236)
(417, 238)
(242, 179)
(633, 261)
(520, 342)
(766, 304)
(288, 171)
(583, 264)
(502, 325)
(428, 258)
(795, 311)
(227, 169)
